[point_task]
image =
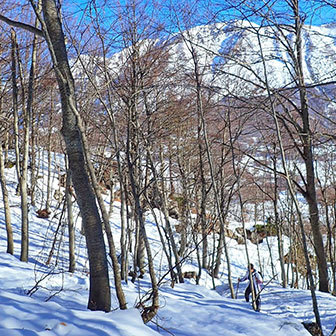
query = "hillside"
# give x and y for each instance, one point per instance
(186, 309)
(233, 53)
(191, 151)
(230, 55)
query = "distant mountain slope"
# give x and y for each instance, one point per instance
(231, 52)
(230, 55)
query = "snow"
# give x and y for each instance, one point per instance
(230, 52)
(58, 304)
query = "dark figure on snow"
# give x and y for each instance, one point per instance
(257, 282)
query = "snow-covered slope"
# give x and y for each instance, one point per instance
(58, 302)
(229, 56)
(230, 52)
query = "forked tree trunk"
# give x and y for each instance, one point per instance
(118, 276)
(99, 295)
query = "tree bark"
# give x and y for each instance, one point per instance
(9, 230)
(99, 293)
(71, 224)
(277, 223)
(308, 158)
(21, 170)
(291, 190)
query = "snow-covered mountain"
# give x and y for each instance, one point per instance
(229, 56)
(230, 53)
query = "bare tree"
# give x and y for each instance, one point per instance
(21, 163)
(99, 296)
(291, 191)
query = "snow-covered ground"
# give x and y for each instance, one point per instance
(58, 304)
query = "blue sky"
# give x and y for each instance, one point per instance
(184, 14)
(173, 15)
(316, 11)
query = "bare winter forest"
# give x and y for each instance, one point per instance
(220, 114)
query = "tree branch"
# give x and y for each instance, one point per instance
(22, 25)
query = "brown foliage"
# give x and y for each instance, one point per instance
(43, 213)
(189, 275)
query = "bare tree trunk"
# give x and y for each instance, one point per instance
(6, 144)
(241, 206)
(291, 191)
(106, 215)
(277, 223)
(185, 204)
(255, 224)
(71, 224)
(308, 157)
(221, 215)
(148, 312)
(163, 198)
(164, 247)
(34, 171)
(99, 295)
(21, 170)
(48, 191)
(224, 202)
(8, 221)
(29, 120)
(204, 192)
(124, 227)
(9, 230)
